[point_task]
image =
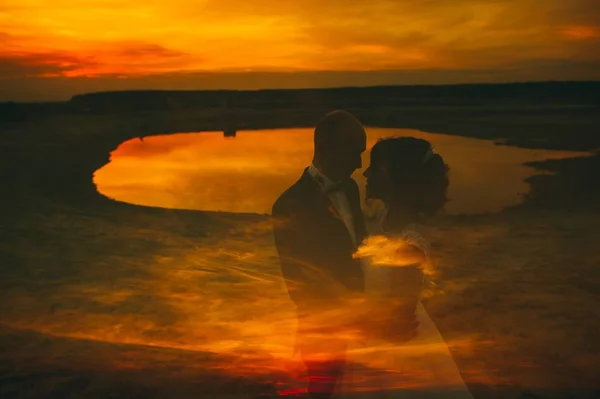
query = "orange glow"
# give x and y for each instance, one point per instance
(204, 171)
(222, 292)
(227, 298)
(582, 32)
(382, 250)
(97, 38)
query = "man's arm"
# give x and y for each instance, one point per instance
(307, 281)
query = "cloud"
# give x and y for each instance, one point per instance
(463, 39)
(114, 59)
(423, 34)
(147, 50)
(40, 65)
(582, 32)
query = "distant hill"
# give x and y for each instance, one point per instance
(580, 93)
(534, 94)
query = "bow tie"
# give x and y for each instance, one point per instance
(339, 186)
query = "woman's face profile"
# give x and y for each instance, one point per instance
(379, 184)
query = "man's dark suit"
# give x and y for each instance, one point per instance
(315, 251)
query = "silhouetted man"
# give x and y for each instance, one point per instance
(318, 224)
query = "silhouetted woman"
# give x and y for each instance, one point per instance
(404, 351)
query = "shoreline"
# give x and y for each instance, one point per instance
(72, 147)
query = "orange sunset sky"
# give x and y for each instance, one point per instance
(50, 50)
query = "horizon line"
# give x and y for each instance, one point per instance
(323, 88)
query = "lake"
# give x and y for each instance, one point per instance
(245, 174)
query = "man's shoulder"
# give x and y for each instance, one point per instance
(290, 200)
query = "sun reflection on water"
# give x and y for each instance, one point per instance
(204, 171)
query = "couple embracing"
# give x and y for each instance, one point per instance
(362, 331)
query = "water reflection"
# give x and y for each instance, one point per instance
(204, 171)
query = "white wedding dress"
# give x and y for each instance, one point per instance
(422, 367)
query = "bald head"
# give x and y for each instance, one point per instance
(339, 141)
(337, 129)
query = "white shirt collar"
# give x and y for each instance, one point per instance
(323, 181)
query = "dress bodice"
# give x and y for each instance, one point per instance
(387, 280)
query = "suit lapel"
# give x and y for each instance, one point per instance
(357, 216)
(322, 201)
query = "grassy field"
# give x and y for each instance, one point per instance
(106, 299)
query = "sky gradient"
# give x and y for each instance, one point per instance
(52, 50)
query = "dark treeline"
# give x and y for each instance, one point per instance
(508, 95)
